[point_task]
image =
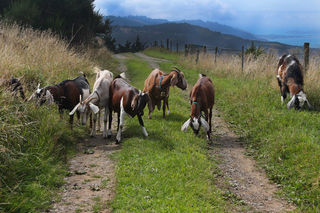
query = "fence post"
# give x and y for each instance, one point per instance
(167, 44)
(306, 56)
(156, 43)
(215, 55)
(185, 50)
(177, 47)
(171, 45)
(197, 58)
(204, 49)
(242, 58)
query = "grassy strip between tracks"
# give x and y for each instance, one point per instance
(169, 171)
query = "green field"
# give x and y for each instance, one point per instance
(286, 143)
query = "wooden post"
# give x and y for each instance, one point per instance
(161, 44)
(204, 49)
(215, 55)
(242, 58)
(185, 50)
(167, 44)
(171, 45)
(306, 56)
(155, 43)
(177, 47)
(197, 58)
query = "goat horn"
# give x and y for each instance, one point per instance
(177, 69)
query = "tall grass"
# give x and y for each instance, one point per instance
(34, 141)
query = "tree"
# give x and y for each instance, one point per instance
(253, 50)
(73, 20)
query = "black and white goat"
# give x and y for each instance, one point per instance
(127, 100)
(290, 80)
(66, 94)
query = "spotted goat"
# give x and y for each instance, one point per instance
(290, 80)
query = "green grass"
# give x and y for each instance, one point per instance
(34, 144)
(286, 143)
(169, 171)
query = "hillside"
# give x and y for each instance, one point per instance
(139, 21)
(186, 33)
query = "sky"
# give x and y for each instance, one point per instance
(282, 17)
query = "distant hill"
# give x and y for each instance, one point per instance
(185, 34)
(139, 21)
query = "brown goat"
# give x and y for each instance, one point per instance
(158, 85)
(201, 100)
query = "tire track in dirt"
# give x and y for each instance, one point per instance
(246, 180)
(91, 180)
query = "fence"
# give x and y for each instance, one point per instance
(191, 49)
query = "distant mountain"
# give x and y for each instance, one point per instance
(184, 33)
(139, 21)
(134, 21)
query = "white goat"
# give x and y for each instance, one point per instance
(98, 99)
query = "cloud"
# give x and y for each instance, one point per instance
(271, 16)
(213, 10)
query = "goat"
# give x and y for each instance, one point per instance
(158, 84)
(201, 100)
(126, 99)
(14, 85)
(65, 94)
(290, 80)
(98, 99)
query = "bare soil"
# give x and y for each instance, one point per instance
(91, 181)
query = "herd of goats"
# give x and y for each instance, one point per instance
(115, 94)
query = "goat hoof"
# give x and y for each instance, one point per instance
(117, 142)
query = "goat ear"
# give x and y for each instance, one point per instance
(94, 108)
(134, 102)
(174, 79)
(49, 97)
(204, 124)
(185, 126)
(291, 102)
(74, 109)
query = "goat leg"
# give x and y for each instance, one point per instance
(144, 131)
(93, 131)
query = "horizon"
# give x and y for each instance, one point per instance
(291, 25)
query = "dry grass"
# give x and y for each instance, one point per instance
(264, 67)
(34, 141)
(25, 51)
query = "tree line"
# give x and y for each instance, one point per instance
(76, 21)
